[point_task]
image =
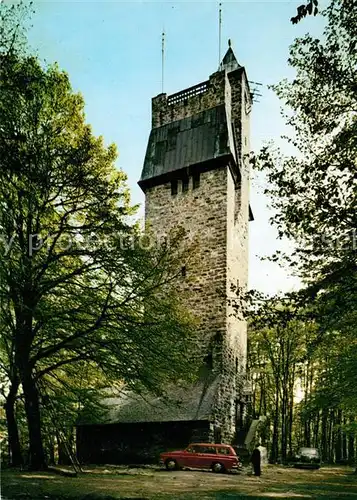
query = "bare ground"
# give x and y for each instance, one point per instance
(109, 483)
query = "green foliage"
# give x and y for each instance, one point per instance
(281, 342)
(64, 214)
(78, 282)
(14, 21)
(305, 9)
(314, 191)
(314, 195)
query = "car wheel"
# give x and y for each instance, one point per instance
(218, 467)
(171, 464)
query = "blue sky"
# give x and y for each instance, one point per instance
(112, 52)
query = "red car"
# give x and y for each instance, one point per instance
(217, 457)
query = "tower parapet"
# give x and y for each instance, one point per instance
(188, 102)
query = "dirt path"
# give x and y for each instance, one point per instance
(149, 484)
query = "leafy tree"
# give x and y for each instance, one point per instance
(327, 411)
(10, 382)
(280, 340)
(68, 393)
(311, 7)
(14, 20)
(313, 191)
(314, 195)
(80, 283)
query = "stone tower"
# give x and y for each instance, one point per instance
(196, 175)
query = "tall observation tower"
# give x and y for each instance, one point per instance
(196, 175)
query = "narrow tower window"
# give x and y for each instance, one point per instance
(237, 201)
(196, 180)
(183, 271)
(185, 181)
(174, 187)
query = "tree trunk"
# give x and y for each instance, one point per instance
(24, 338)
(338, 437)
(331, 434)
(63, 456)
(316, 439)
(324, 439)
(351, 447)
(264, 397)
(344, 441)
(32, 408)
(284, 423)
(51, 451)
(15, 455)
(291, 413)
(275, 441)
(307, 420)
(307, 432)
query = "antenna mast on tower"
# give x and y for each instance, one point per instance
(162, 59)
(219, 34)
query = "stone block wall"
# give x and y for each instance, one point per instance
(202, 213)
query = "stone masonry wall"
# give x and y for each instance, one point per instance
(238, 212)
(202, 212)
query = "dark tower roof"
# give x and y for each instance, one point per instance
(190, 141)
(229, 61)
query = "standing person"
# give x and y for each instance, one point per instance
(256, 461)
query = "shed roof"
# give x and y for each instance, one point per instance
(195, 403)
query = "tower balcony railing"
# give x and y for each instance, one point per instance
(201, 88)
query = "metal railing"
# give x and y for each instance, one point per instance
(201, 88)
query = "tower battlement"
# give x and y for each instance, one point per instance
(190, 101)
(218, 89)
